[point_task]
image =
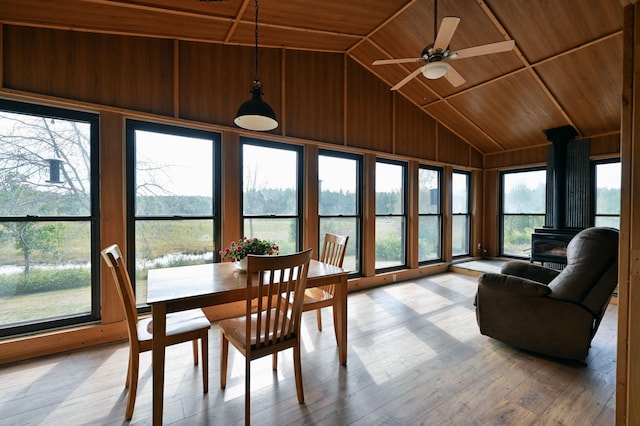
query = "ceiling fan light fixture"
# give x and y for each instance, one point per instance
(435, 70)
(256, 114)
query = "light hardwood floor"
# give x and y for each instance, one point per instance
(415, 358)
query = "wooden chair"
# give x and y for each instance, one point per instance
(275, 323)
(316, 298)
(181, 327)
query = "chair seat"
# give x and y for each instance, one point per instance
(177, 323)
(236, 328)
(316, 294)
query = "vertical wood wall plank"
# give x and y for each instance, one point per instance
(112, 207)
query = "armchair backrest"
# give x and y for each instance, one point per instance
(591, 273)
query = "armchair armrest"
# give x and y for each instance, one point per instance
(512, 285)
(530, 271)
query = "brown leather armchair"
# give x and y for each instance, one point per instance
(552, 312)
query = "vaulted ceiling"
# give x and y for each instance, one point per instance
(566, 68)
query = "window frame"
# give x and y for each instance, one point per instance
(93, 119)
(501, 233)
(404, 215)
(132, 126)
(467, 215)
(594, 186)
(299, 151)
(360, 199)
(439, 214)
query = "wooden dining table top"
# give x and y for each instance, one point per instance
(218, 282)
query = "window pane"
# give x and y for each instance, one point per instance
(429, 191)
(524, 192)
(608, 178)
(523, 209)
(343, 226)
(337, 180)
(283, 232)
(45, 270)
(270, 181)
(460, 193)
(174, 175)
(168, 243)
(44, 166)
(460, 235)
(389, 242)
(517, 230)
(46, 258)
(608, 221)
(389, 188)
(428, 238)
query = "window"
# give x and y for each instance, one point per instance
(523, 201)
(339, 201)
(49, 258)
(271, 195)
(429, 214)
(608, 177)
(174, 198)
(390, 215)
(461, 219)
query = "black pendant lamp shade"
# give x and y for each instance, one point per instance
(256, 114)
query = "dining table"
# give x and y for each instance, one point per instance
(188, 287)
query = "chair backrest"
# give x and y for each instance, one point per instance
(333, 251)
(280, 282)
(591, 272)
(113, 258)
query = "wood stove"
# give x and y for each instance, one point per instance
(568, 202)
(549, 245)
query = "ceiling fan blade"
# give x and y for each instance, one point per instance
(406, 79)
(454, 77)
(485, 49)
(445, 34)
(397, 61)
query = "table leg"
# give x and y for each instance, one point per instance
(159, 313)
(340, 307)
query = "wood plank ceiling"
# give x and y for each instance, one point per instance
(566, 68)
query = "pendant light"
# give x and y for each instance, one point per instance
(256, 114)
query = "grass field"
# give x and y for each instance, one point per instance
(50, 304)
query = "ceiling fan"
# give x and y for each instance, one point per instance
(437, 56)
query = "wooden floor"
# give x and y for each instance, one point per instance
(415, 358)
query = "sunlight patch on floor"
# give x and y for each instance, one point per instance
(414, 296)
(396, 351)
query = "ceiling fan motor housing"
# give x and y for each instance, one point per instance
(431, 55)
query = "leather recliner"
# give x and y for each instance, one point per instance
(552, 312)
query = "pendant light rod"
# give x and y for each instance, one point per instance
(435, 20)
(256, 37)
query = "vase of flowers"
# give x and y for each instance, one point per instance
(237, 251)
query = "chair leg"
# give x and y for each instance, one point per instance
(319, 318)
(247, 388)
(195, 351)
(133, 383)
(335, 322)
(298, 372)
(204, 341)
(224, 355)
(274, 361)
(126, 382)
